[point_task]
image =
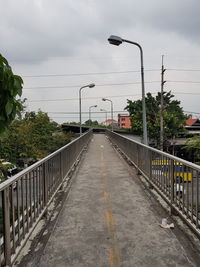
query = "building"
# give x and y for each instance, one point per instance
(110, 122)
(192, 125)
(124, 121)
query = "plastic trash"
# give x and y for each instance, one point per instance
(166, 225)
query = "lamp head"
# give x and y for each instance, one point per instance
(91, 85)
(103, 99)
(115, 40)
(95, 106)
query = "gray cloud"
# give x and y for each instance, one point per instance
(32, 31)
(69, 36)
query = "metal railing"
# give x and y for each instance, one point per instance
(176, 180)
(25, 197)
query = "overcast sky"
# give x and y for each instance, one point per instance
(63, 44)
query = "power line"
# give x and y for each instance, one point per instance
(75, 117)
(183, 81)
(78, 86)
(183, 70)
(105, 73)
(70, 99)
(191, 112)
(99, 97)
(85, 74)
(98, 112)
(182, 93)
(84, 112)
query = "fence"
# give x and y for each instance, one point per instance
(25, 197)
(176, 180)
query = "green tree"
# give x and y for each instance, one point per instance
(10, 90)
(31, 138)
(193, 148)
(88, 122)
(173, 116)
(4, 168)
(91, 123)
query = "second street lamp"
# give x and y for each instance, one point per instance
(80, 117)
(106, 99)
(116, 40)
(105, 113)
(94, 106)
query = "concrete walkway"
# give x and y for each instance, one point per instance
(108, 220)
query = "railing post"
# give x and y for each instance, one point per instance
(61, 170)
(138, 159)
(150, 169)
(6, 226)
(172, 211)
(61, 165)
(45, 185)
(197, 198)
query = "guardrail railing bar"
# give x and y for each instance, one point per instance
(192, 197)
(18, 211)
(35, 189)
(175, 181)
(13, 218)
(22, 202)
(6, 226)
(197, 200)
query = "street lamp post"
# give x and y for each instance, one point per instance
(106, 99)
(116, 40)
(90, 86)
(105, 113)
(94, 106)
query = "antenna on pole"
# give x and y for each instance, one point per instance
(162, 105)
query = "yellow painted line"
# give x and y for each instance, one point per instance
(110, 220)
(114, 253)
(114, 257)
(106, 195)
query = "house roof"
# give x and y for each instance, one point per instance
(191, 122)
(109, 120)
(123, 115)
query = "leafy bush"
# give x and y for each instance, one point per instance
(10, 90)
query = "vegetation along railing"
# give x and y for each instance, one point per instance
(25, 197)
(176, 180)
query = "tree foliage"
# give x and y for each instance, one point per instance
(193, 148)
(31, 138)
(10, 90)
(173, 116)
(91, 123)
(4, 169)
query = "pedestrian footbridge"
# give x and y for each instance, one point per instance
(97, 202)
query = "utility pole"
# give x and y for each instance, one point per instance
(162, 106)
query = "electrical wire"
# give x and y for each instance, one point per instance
(99, 97)
(182, 93)
(79, 86)
(84, 112)
(70, 99)
(191, 112)
(86, 74)
(183, 81)
(76, 117)
(183, 70)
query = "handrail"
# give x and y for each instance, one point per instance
(25, 197)
(192, 165)
(28, 169)
(176, 180)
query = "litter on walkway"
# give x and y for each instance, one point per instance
(166, 225)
